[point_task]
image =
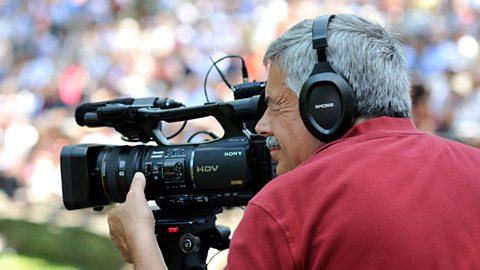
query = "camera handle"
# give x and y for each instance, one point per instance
(186, 236)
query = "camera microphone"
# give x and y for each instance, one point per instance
(85, 108)
(91, 114)
(244, 71)
(167, 103)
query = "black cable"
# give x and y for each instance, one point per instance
(209, 261)
(244, 73)
(179, 131)
(211, 134)
(224, 79)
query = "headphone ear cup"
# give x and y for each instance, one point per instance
(327, 106)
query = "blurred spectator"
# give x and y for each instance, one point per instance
(57, 54)
(421, 113)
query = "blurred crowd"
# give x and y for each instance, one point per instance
(57, 54)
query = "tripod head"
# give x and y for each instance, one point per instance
(185, 237)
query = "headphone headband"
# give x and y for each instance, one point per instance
(319, 35)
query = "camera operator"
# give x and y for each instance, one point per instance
(378, 194)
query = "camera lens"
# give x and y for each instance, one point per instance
(118, 165)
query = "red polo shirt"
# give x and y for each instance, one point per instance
(384, 196)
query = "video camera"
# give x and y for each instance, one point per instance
(190, 182)
(222, 172)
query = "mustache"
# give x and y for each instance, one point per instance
(272, 143)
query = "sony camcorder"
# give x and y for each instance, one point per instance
(226, 171)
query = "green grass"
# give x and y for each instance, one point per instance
(77, 248)
(19, 262)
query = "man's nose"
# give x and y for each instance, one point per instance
(263, 126)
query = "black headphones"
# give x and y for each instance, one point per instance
(326, 101)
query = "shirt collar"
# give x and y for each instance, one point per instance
(376, 125)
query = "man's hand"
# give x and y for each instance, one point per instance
(132, 228)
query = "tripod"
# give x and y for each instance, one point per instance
(185, 236)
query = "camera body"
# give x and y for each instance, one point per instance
(223, 172)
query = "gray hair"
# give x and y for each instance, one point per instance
(370, 59)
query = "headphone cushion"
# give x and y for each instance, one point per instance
(327, 106)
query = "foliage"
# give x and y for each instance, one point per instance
(64, 246)
(17, 262)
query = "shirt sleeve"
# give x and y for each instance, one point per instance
(259, 242)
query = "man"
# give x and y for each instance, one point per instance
(376, 195)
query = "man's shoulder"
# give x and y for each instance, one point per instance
(290, 185)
